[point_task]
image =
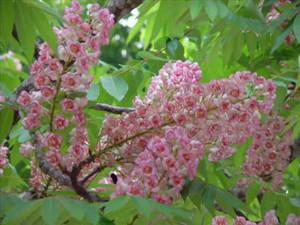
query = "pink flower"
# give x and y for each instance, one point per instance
(47, 93)
(148, 170)
(55, 67)
(3, 158)
(135, 189)
(53, 157)
(201, 112)
(95, 44)
(270, 218)
(219, 220)
(83, 64)
(170, 163)
(239, 221)
(70, 82)
(35, 108)
(79, 117)
(60, 123)
(161, 198)
(293, 220)
(177, 180)
(156, 121)
(160, 149)
(41, 81)
(35, 68)
(52, 141)
(94, 8)
(31, 122)
(68, 105)
(26, 149)
(75, 49)
(24, 99)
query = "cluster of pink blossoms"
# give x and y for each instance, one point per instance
(269, 153)
(269, 219)
(3, 158)
(79, 45)
(162, 141)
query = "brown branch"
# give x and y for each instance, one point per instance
(95, 171)
(121, 8)
(46, 167)
(79, 189)
(112, 109)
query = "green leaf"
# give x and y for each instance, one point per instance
(116, 204)
(50, 211)
(143, 205)
(228, 48)
(115, 86)
(73, 207)
(7, 19)
(10, 180)
(238, 47)
(233, 201)
(8, 201)
(295, 202)
(252, 191)
(6, 119)
(196, 8)
(211, 9)
(251, 40)
(175, 49)
(93, 93)
(92, 213)
(268, 202)
(172, 46)
(296, 130)
(150, 56)
(296, 27)
(20, 212)
(25, 28)
(225, 206)
(281, 93)
(280, 39)
(25, 136)
(44, 28)
(201, 193)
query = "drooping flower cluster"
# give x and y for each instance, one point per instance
(269, 153)
(269, 219)
(164, 139)
(3, 158)
(79, 45)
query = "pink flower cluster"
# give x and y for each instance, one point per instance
(269, 219)
(269, 153)
(3, 158)
(163, 140)
(79, 45)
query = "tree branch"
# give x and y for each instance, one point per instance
(46, 167)
(121, 8)
(112, 109)
(95, 171)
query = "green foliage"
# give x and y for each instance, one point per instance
(28, 17)
(115, 86)
(222, 36)
(6, 119)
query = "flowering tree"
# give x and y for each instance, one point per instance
(174, 143)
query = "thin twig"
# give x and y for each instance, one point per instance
(112, 109)
(95, 171)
